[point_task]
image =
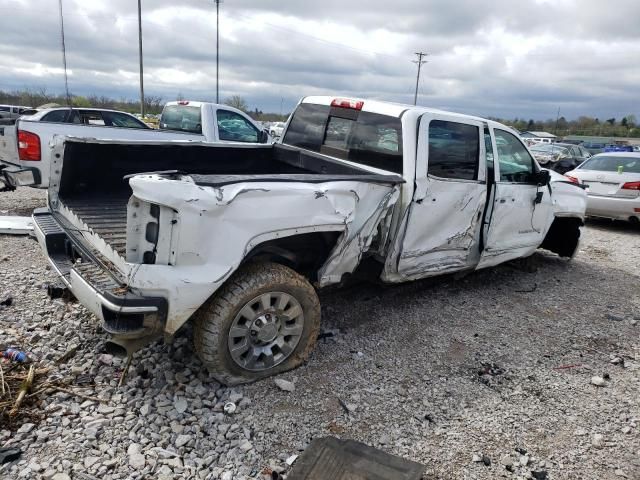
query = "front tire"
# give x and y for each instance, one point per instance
(263, 321)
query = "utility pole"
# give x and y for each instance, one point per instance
(217, 2)
(140, 55)
(64, 57)
(419, 62)
(557, 120)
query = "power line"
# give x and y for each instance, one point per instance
(419, 62)
(64, 55)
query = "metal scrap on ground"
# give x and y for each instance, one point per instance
(12, 225)
(337, 459)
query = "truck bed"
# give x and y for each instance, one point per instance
(94, 184)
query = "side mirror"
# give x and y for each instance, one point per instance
(542, 178)
(263, 136)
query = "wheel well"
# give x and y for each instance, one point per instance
(563, 237)
(304, 253)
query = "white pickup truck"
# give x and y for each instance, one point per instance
(239, 237)
(25, 148)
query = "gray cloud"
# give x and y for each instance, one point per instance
(499, 58)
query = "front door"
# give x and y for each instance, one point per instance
(517, 223)
(443, 223)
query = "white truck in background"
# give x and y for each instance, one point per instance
(25, 146)
(239, 237)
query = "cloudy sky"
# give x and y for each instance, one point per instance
(506, 58)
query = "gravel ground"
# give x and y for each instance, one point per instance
(496, 366)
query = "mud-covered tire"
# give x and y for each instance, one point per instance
(214, 319)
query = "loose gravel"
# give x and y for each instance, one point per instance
(500, 374)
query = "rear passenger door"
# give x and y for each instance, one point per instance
(517, 224)
(445, 216)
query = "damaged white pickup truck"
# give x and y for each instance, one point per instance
(239, 237)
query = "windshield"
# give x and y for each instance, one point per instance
(552, 149)
(612, 164)
(361, 137)
(181, 117)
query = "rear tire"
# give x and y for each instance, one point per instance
(263, 321)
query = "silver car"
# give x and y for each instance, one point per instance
(612, 181)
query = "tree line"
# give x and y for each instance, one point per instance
(590, 126)
(35, 97)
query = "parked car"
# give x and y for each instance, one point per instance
(612, 181)
(25, 147)
(276, 129)
(238, 237)
(594, 147)
(11, 112)
(560, 157)
(618, 148)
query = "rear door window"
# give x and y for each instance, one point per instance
(454, 150)
(361, 137)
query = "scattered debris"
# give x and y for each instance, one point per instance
(615, 318)
(598, 381)
(24, 389)
(229, 408)
(597, 440)
(350, 459)
(285, 385)
(566, 367)
(486, 460)
(6, 301)
(476, 458)
(55, 290)
(14, 225)
(16, 355)
(9, 455)
(540, 474)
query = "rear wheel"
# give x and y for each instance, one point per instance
(263, 321)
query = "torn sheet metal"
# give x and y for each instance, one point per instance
(11, 225)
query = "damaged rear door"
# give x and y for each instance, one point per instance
(442, 225)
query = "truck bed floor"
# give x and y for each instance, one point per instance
(105, 215)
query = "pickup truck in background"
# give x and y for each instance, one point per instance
(25, 147)
(239, 237)
(11, 112)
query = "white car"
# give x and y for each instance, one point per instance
(612, 181)
(276, 129)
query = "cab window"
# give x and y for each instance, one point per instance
(454, 150)
(515, 162)
(234, 127)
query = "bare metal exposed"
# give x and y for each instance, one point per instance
(239, 237)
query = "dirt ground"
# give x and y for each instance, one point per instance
(496, 366)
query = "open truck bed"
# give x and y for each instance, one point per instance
(93, 189)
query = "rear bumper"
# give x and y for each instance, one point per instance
(122, 312)
(20, 177)
(613, 207)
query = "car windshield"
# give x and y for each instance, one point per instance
(606, 163)
(551, 149)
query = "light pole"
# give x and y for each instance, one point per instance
(140, 54)
(217, 2)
